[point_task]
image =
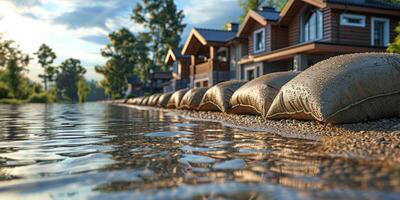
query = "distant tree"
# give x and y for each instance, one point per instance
(164, 23)
(96, 92)
(83, 90)
(12, 64)
(71, 71)
(46, 57)
(127, 54)
(248, 5)
(394, 47)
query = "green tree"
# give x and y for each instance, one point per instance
(83, 90)
(127, 54)
(248, 5)
(164, 25)
(71, 71)
(13, 62)
(46, 57)
(394, 47)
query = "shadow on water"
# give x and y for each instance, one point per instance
(108, 152)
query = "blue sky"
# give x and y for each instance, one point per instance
(79, 28)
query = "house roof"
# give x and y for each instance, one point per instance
(134, 80)
(262, 17)
(205, 37)
(369, 3)
(174, 55)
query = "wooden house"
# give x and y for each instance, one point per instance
(308, 31)
(180, 65)
(209, 55)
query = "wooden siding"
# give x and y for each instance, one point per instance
(279, 37)
(355, 35)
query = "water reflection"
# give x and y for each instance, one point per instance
(110, 152)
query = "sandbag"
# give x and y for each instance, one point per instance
(256, 96)
(217, 98)
(137, 100)
(343, 89)
(153, 99)
(145, 101)
(163, 100)
(176, 98)
(192, 98)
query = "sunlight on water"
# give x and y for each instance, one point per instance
(100, 151)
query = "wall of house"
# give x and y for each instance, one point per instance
(266, 67)
(250, 40)
(355, 35)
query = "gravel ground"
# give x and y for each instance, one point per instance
(374, 141)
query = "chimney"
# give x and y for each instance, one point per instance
(267, 9)
(233, 26)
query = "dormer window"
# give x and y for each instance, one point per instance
(259, 40)
(312, 23)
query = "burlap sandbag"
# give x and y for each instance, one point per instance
(343, 89)
(137, 100)
(176, 98)
(217, 97)
(192, 98)
(145, 101)
(256, 96)
(163, 100)
(153, 100)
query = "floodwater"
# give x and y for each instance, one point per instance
(101, 151)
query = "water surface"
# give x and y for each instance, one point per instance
(101, 151)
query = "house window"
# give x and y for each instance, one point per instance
(252, 73)
(379, 32)
(312, 25)
(259, 40)
(352, 20)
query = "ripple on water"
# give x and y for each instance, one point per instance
(184, 125)
(233, 164)
(188, 148)
(168, 134)
(191, 158)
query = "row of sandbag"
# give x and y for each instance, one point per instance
(343, 89)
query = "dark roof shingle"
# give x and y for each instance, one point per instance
(385, 4)
(212, 35)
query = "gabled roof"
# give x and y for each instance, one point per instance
(199, 36)
(369, 3)
(261, 17)
(174, 55)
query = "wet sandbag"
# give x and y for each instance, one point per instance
(153, 100)
(343, 89)
(218, 97)
(136, 101)
(163, 100)
(176, 98)
(192, 98)
(256, 96)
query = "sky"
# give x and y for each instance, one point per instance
(79, 28)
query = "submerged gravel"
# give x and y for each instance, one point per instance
(374, 141)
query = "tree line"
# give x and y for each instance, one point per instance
(62, 83)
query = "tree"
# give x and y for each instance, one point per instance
(394, 47)
(248, 5)
(164, 23)
(46, 57)
(83, 90)
(127, 55)
(13, 63)
(67, 79)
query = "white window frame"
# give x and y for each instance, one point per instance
(386, 36)
(320, 27)
(255, 71)
(343, 22)
(261, 30)
(201, 81)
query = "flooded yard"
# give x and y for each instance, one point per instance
(102, 151)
